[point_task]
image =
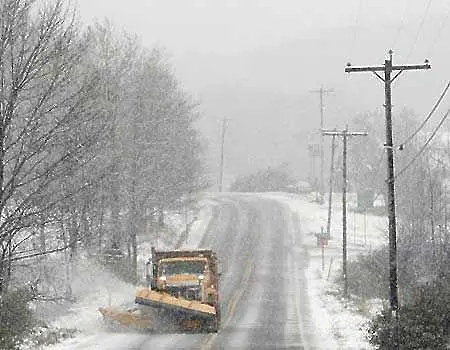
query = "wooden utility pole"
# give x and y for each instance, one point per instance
(321, 93)
(330, 190)
(222, 145)
(387, 69)
(345, 134)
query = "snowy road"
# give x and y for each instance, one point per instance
(265, 304)
(263, 288)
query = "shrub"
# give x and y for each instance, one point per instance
(16, 318)
(423, 324)
(368, 275)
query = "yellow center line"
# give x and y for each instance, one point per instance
(233, 303)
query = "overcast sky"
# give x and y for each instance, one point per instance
(255, 61)
(240, 25)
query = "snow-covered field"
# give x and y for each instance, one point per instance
(332, 314)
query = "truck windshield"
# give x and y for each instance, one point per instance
(182, 267)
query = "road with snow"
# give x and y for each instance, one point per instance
(264, 299)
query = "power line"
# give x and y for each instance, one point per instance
(425, 15)
(410, 137)
(402, 24)
(441, 29)
(424, 146)
(355, 26)
(427, 118)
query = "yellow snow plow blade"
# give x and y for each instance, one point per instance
(125, 318)
(163, 300)
(160, 312)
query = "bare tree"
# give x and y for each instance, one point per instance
(162, 149)
(50, 124)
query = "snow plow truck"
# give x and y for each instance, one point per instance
(182, 295)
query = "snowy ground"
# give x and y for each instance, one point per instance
(332, 314)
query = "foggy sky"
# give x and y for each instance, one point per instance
(255, 62)
(234, 26)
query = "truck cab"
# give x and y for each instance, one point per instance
(191, 275)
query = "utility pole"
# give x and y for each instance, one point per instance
(387, 69)
(345, 134)
(330, 191)
(222, 144)
(321, 93)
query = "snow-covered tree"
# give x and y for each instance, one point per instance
(49, 123)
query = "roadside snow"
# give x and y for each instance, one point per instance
(200, 224)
